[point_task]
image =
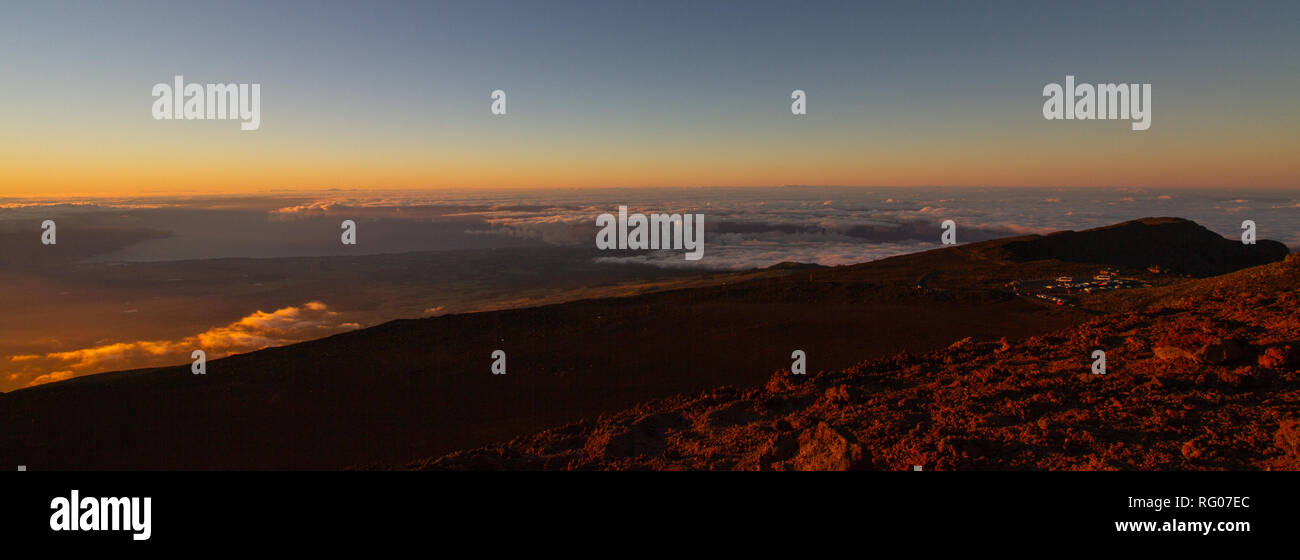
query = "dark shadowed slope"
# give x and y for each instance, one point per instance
(1207, 381)
(1177, 245)
(420, 388)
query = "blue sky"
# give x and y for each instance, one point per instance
(676, 83)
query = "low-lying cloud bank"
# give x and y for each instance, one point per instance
(253, 332)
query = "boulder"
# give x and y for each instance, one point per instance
(1221, 351)
(1279, 357)
(825, 448)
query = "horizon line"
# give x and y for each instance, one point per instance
(321, 190)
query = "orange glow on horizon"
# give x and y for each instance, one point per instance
(235, 164)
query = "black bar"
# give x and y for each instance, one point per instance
(939, 509)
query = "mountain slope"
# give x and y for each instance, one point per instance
(1174, 244)
(423, 388)
(1211, 381)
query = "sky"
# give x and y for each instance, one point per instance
(396, 95)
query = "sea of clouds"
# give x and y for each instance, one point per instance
(745, 227)
(758, 227)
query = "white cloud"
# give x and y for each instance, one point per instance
(255, 331)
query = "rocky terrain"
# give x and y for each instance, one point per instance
(1207, 377)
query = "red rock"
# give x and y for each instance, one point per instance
(1220, 351)
(1278, 357)
(1171, 353)
(1287, 437)
(837, 396)
(824, 448)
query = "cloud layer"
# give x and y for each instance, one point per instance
(253, 332)
(746, 227)
(756, 227)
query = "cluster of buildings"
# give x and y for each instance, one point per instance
(1063, 290)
